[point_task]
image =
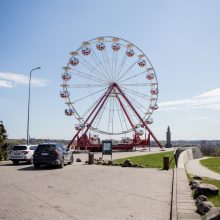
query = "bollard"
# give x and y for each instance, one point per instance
(91, 158)
(166, 162)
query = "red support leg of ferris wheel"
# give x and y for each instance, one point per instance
(142, 121)
(106, 94)
(101, 103)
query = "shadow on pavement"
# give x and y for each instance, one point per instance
(7, 164)
(31, 168)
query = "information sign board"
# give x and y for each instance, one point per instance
(107, 148)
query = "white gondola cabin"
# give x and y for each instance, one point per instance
(86, 51)
(154, 91)
(64, 94)
(66, 76)
(140, 132)
(79, 126)
(100, 46)
(142, 63)
(69, 112)
(154, 107)
(149, 121)
(74, 61)
(150, 76)
(115, 46)
(130, 53)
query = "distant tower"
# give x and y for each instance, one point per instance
(168, 144)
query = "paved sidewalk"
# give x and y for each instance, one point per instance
(195, 168)
(85, 192)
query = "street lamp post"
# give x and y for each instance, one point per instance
(29, 93)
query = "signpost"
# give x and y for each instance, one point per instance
(107, 148)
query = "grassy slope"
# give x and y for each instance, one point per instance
(150, 160)
(212, 163)
(214, 199)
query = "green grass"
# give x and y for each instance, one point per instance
(150, 160)
(214, 199)
(212, 164)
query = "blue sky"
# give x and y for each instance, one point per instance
(181, 39)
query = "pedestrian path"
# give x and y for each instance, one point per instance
(194, 167)
(184, 205)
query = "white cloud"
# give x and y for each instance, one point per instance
(4, 83)
(10, 80)
(207, 100)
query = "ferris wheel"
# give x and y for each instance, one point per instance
(110, 87)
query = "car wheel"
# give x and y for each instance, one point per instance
(71, 160)
(61, 163)
(36, 165)
(15, 162)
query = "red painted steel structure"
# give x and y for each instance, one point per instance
(83, 141)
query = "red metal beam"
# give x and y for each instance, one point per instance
(142, 121)
(89, 117)
(103, 102)
(123, 108)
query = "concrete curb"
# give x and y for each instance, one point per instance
(183, 204)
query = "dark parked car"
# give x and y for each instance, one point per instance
(52, 154)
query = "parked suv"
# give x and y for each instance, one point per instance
(52, 154)
(22, 153)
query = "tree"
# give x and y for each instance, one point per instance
(3, 142)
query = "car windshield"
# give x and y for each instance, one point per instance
(33, 147)
(47, 147)
(19, 148)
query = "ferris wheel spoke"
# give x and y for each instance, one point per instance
(101, 114)
(123, 74)
(133, 116)
(104, 63)
(115, 65)
(124, 109)
(92, 68)
(137, 104)
(99, 63)
(132, 77)
(108, 62)
(112, 64)
(119, 116)
(133, 92)
(138, 84)
(109, 114)
(118, 71)
(113, 116)
(86, 85)
(89, 95)
(91, 107)
(87, 76)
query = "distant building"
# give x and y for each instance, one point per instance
(168, 143)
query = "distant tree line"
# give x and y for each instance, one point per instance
(35, 141)
(208, 149)
(3, 142)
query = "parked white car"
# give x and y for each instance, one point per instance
(22, 153)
